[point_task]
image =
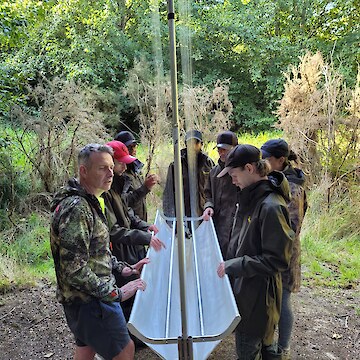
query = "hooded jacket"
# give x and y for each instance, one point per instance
(203, 166)
(291, 278)
(222, 196)
(259, 249)
(128, 233)
(79, 239)
(133, 189)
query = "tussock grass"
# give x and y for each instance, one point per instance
(331, 239)
(25, 254)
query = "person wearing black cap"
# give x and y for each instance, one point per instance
(259, 249)
(133, 186)
(195, 169)
(277, 152)
(221, 193)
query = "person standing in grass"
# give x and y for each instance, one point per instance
(259, 248)
(134, 187)
(277, 152)
(80, 246)
(220, 193)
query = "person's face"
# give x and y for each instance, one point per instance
(276, 163)
(194, 145)
(132, 149)
(222, 153)
(242, 177)
(119, 167)
(97, 176)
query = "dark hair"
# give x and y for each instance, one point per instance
(292, 156)
(85, 152)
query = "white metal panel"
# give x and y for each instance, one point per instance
(211, 309)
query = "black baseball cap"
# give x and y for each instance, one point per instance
(226, 140)
(126, 137)
(193, 134)
(239, 156)
(276, 148)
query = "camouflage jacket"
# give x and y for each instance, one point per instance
(297, 208)
(79, 239)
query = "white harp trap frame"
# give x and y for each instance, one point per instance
(211, 309)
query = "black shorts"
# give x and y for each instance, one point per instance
(100, 325)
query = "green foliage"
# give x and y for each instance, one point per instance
(250, 42)
(253, 43)
(25, 252)
(17, 17)
(331, 239)
(15, 181)
(76, 39)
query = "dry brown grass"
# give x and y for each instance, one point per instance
(320, 118)
(64, 122)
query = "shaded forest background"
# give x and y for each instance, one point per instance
(249, 43)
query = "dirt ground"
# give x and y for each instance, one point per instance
(327, 326)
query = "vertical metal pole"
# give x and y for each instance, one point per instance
(179, 191)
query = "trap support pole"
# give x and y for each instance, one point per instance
(185, 346)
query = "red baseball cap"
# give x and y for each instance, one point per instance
(121, 152)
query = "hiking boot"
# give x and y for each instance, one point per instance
(285, 353)
(271, 353)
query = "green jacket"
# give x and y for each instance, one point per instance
(259, 249)
(79, 239)
(128, 233)
(133, 189)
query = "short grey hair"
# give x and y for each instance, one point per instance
(85, 152)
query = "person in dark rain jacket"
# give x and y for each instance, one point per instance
(259, 249)
(129, 235)
(220, 193)
(134, 188)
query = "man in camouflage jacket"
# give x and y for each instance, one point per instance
(83, 261)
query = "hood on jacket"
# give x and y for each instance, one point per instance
(73, 188)
(280, 184)
(294, 175)
(251, 194)
(135, 166)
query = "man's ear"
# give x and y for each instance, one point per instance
(82, 170)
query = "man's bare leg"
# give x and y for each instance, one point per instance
(127, 353)
(84, 353)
